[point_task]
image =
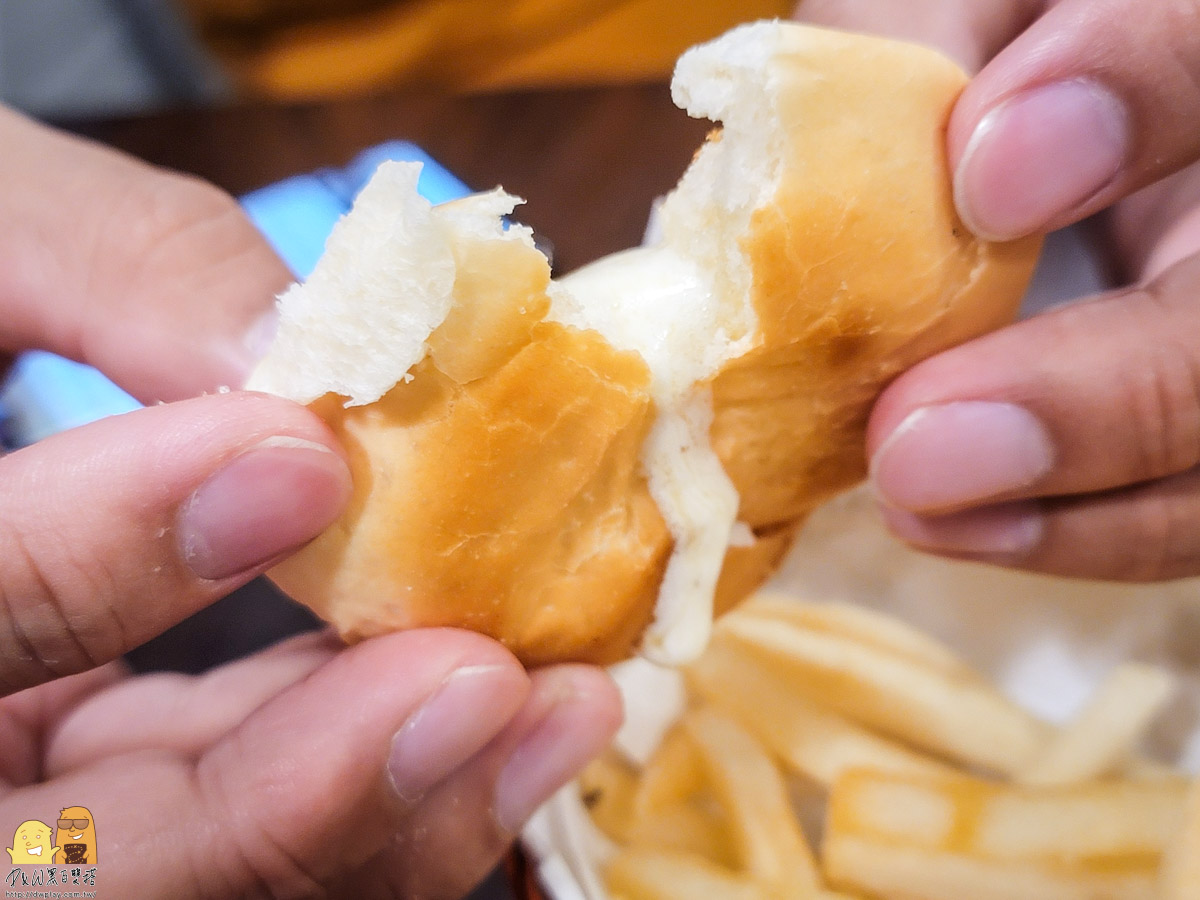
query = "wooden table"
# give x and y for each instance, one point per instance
(589, 163)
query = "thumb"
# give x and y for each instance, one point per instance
(1096, 99)
(113, 532)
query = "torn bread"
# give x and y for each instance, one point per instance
(584, 468)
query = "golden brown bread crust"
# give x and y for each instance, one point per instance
(499, 485)
(861, 268)
(502, 489)
(512, 505)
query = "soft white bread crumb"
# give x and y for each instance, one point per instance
(666, 306)
(685, 306)
(708, 213)
(342, 331)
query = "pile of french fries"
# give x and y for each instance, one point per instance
(831, 751)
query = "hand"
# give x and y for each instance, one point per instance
(1069, 442)
(402, 765)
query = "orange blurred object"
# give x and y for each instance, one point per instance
(299, 49)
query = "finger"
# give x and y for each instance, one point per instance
(315, 782)
(1096, 99)
(30, 718)
(472, 817)
(1148, 532)
(115, 531)
(156, 278)
(1159, 225)
(182, 714)
(571, 714)
(969, 32)
(1090, 397)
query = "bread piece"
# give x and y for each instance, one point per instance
(577, 468)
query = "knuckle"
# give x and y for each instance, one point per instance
(162, 211)
(1180, 64)
(1154, 534)
(48, 633)
(256, 855)
(1162, 398)
(1147, 555)
(1174, 538)
(167, 224)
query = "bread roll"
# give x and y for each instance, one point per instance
(579, 468)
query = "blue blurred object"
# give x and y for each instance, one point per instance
(45, 394)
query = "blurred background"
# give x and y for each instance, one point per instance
(75, 58)
(72, 59)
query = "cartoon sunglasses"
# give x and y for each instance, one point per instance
(73, 824)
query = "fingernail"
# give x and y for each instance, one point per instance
(956, 454)
(273, 497)
(1039, 155)
(1002, 532)
(466, 711)
(549, 755)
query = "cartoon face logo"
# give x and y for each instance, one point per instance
(76, 836)
(31, 844)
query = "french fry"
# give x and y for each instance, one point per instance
(866, 626)
(950, 837)
(883, 724)
(902, 873)
(956, 715)
(663, 807)
(812, 741)
(770, 845)
(1141, 769)
(674, 773)
(607, 786)
(640, 874)
(684, 827)
(1104, 735)
(1181, 865)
